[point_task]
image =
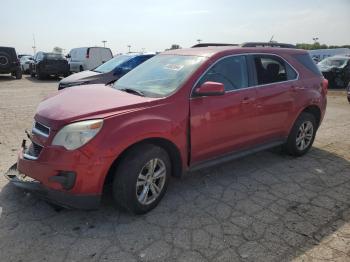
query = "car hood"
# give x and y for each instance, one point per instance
(87, 102)
(80, 77)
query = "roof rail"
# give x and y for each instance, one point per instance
(212, 44)
(267, 44)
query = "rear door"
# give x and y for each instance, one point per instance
(94, 58)
(221, 124)
(105, 55)
(275, 80)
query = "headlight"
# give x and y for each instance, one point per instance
(75, 135)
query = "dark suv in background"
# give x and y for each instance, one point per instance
(47, 64)
(9, 63)
(106, 73)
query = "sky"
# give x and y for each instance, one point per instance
(154, 25)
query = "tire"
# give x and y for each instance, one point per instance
(135, 167)
(302, 135)
(19, 74)
(339, 83)
(39, 74)
(4, 60)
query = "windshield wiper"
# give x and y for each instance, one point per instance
(132, 91)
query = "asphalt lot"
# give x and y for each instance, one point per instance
(264, 207)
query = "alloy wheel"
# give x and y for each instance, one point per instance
(150, 181)
(304, 135)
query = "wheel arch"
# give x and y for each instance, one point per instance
(172, 150)
(315, 111)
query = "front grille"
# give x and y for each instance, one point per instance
(33, 151)
(40, 129)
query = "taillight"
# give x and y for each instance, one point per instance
(325, 85)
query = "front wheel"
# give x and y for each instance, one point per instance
(302, 135)
(142, 178)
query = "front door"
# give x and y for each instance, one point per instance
(226, 123)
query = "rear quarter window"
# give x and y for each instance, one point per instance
(306, 61)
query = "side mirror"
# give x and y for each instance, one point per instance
(210, 89)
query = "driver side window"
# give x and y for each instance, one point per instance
(231, 71)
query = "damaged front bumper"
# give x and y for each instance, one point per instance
(57, 197)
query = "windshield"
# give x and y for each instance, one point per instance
(160, 75)
(337, 62)
(111, 64)
(54, 56)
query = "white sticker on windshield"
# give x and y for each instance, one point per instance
(173, 67)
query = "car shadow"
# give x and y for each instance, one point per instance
(267, 207)
(4, 78)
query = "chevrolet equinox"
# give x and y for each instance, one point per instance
(180, 110)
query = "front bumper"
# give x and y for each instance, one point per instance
(60, 198)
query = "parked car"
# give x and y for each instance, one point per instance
(320, 54)
(21, 55)
(337, 70)
(181, 110)
(25, 63)
(47, 64)
(107, 72)
(87, 58)
(9, 63)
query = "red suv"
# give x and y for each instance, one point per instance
(181, 110)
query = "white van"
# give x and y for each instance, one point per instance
(87, 58)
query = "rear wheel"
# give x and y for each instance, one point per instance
(142, 178)
(39, 74)
(18, 74)
(302, 135)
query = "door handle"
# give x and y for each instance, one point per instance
(297, 88)
(247, 100)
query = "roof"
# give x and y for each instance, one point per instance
(224, 50)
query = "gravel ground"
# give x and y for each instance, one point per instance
(264, 207)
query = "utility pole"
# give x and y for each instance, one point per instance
(129, 46)
(104, 43)
(34, 47)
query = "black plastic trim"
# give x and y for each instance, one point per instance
(236, 154)
(61, 198)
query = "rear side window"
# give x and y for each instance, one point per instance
(272, 69)
(231, 71)
(306, 60)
